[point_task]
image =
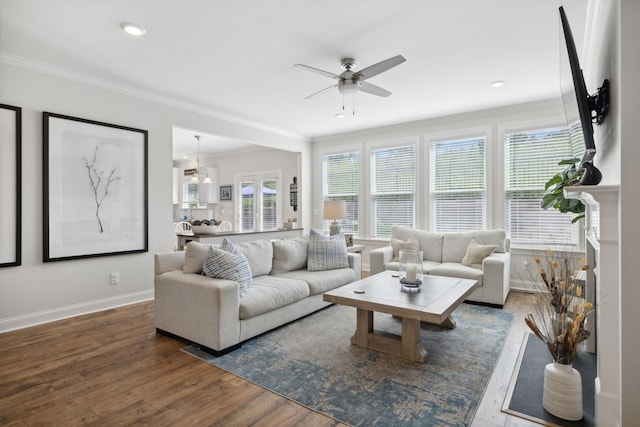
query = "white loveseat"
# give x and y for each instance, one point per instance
(211, 312)
(443, 254)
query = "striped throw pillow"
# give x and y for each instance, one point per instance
(227, 245)
(225, 265)
(326, 253)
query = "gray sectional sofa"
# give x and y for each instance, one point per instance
(444, 254)
(210, 311)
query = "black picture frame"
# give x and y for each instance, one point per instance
(95, 188)
(226, 192)
(10, 185)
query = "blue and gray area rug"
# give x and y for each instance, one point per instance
(312, 362)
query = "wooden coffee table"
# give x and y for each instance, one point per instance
(437, 299)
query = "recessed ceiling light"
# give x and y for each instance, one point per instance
(497, 83)
(340, 116)
(132, 29)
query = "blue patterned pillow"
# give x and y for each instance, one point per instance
(227, 245)
(225, 265)
(326, 253)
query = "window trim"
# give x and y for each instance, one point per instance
(500, 179)
(325, 151)
(258, 177)
(370, 147)
(489, 176)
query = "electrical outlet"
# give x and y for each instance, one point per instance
(525, 265)
(115, 278)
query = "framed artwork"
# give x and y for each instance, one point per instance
(10, 185)
(226, 192)
(94, 189)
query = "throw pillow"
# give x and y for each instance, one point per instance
(399, 245)
(476, 252)
(326, 252)
(228, 246)
(225, 265)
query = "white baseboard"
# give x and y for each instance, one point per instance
(46, 316)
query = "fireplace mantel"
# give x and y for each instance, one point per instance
(602, 247)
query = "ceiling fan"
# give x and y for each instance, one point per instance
(350, 82)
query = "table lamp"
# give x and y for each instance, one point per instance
(334, 210)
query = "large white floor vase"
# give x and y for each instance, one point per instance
(562, 393)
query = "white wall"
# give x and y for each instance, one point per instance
(614, 54)
(35, 292)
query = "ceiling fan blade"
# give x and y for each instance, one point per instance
(380, 67)
(373, 89)
(318, 71)
(322, 90)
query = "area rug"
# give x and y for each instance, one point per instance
(312, 362)
(524, 397)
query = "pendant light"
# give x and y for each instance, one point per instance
(195, 179)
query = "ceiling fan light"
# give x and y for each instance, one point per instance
(348, 88)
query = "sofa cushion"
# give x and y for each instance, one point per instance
(322, 281)
(455, 269)
(289, 254)
(326, 252)
(399, 245)
(225, 265)
(430, 243)
(454, 246)
(476, 252)
(194, 255)
(270, 293)
(496, 237)
(259, 253)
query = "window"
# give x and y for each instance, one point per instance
(259, 204)
(458, 184)
(531, 159)
(393, 173)
(341, 181)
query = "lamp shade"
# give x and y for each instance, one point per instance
(334, 209)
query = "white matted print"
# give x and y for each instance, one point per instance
(10, 185)
(95, 188)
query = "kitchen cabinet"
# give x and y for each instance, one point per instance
(199, 194)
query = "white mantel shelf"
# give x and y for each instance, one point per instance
(603, 249)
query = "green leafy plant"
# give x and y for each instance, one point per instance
(554, 195)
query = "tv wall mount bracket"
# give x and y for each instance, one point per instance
(599, 103)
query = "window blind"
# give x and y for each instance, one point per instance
(392, 189)
(531, 159)
(458, 184)
(341, 181)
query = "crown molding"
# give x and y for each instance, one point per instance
(64, 73)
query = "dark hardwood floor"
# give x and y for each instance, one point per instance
(111, 368)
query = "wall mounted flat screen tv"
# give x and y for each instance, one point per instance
(581, 109)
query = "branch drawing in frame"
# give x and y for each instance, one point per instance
(95, 189)
(10, 185)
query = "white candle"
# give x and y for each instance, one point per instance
(412, 270)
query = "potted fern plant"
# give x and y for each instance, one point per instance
(554, 195)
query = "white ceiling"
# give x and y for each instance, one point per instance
(236, 57)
